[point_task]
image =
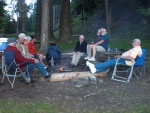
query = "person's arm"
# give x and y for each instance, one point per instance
(76, 47)
(20, 58)
(125, 57)
(100, 42)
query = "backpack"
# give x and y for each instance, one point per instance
(54, 53)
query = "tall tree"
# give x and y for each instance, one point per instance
(65, 25)
(38, 19)
(51, 33)
(107, 17)
(22, 10)
(45, 25)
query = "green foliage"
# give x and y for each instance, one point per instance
(144, 11)
(76, 25)
(3, 17)
(78, 5)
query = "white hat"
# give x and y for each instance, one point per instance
(22, 35)
(136, 40)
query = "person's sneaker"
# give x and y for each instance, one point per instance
(87, 63)
(48, 75)
(45, 67)
(92, 59)
(71, 65)
(86, 58)
(91, 66)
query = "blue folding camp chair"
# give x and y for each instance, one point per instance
(137, 69)
(11, 69)
(139, 66)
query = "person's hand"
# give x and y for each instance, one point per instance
(32, 56)
(36, 61)
(77, 52)
(118, 56)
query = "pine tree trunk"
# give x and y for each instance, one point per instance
(65, 25)
(45, 25)
(51, 33)
(107, 17)
(38, 19)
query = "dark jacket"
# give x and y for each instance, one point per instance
(81, 47)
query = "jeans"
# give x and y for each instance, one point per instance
(100, 67)
(31, 67)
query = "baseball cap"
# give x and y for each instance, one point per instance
(22, 35)
(136, 40)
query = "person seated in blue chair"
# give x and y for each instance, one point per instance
(100, 44)
(80, 50)
(130, 55)
(32, 62)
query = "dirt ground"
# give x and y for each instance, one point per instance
(104, 96)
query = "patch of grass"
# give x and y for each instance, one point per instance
(23, 106)
(67, 47)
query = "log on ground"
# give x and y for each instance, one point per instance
(58, 77)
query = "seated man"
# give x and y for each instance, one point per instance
(33, 63)
(21, 47)
(100, 44)
(130, 54)
(80, 50)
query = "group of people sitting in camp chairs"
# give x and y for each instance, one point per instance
(25, 51)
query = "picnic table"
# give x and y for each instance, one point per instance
(111, 54)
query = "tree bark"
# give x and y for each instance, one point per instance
(38, 19)
(107, 17)
(51, 33)
(65, 24)
(45, 25)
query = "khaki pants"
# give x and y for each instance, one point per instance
(76, 58)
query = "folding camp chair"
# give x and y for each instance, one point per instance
(11, 69)
(137, 69)
(139, 66)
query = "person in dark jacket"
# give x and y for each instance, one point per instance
(80, 50)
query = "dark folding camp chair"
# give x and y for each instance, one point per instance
(11, 69)
(137, 69)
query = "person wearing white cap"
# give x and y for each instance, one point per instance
(130, 54)
(21, 47)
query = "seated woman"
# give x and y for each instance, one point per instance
(32, 50)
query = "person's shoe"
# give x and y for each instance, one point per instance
(71, 65)
(92, 59)
(86, 58)
(45, 67)
(48, 75)
(91, 66)
(87, 63)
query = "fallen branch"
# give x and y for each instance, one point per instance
(92, 94)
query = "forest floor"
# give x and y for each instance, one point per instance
(103, 96)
